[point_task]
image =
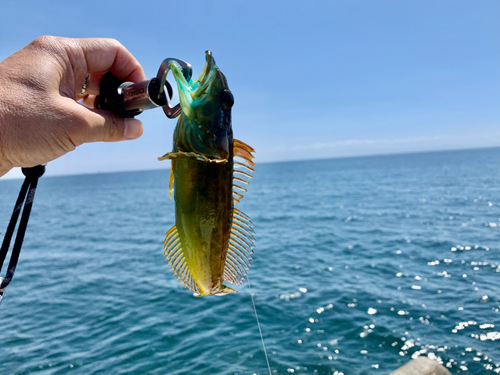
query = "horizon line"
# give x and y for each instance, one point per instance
(275, 161)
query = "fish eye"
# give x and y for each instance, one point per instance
(226, 99)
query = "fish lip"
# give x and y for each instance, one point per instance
(189, 90)
(205, 72)
(209, 61)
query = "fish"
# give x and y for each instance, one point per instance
(212, 242)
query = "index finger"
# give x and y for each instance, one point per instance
(103, 54)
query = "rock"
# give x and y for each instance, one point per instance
(422, 366)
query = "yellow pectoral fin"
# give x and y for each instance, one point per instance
(175, 259)
(171, 181)
(194, 155)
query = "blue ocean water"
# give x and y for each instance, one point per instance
(361, 264)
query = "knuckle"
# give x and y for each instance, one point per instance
(112, 128)
(100, 126)
(3, 155)
(45, 42)
(77, 127)
(49, 45)
(113, 42)
(80, 122)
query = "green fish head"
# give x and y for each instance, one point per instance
(206, 108)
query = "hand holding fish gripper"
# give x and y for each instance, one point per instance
(125, 99)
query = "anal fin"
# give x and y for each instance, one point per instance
(240, 248)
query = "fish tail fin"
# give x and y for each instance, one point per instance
(226, 290)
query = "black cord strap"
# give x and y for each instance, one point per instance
(27, 192)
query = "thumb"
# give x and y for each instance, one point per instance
(107, 127)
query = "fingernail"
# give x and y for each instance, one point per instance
(133, 128)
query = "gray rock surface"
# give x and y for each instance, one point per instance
(422, 366)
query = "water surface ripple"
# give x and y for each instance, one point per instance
(361, 264)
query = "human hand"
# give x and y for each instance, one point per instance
(40, 119)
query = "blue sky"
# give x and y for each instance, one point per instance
(311, 79)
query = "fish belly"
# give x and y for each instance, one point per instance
(203, 214)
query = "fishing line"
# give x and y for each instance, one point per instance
(258, 325)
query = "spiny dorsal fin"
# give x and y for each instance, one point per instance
(244, 151)
(175, 259)
(240, 248)
(243, 173)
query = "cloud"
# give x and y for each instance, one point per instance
(462, 140)
(370, 142)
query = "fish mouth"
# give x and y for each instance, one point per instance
(207, 69)
(197, 90)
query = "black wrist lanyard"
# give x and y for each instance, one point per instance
(27, 193)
